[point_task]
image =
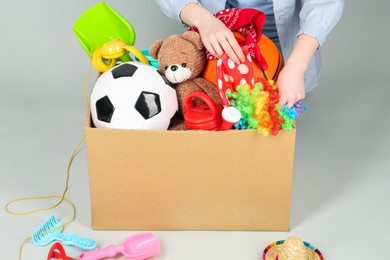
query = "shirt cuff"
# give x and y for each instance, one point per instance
(179, 6)
(314, 30)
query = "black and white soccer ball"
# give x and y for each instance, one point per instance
(133, 95)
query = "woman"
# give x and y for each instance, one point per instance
(298, 28)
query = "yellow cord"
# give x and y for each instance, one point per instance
(62, 197)
(21, 247)
(49, 230)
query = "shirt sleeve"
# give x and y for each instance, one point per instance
(317, 18)
(173, 8)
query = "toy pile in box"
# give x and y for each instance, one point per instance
(182, 90)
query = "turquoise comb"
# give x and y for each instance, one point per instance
(51, 230)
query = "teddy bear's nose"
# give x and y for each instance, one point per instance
(173, 67)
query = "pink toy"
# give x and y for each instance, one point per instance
(135, 247)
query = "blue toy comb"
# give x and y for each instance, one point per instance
(51, 230)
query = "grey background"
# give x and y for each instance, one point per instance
(341, 175)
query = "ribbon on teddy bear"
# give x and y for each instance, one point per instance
(247, 21)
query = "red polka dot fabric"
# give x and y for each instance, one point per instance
(230, 74)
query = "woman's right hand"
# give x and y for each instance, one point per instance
(216, 37)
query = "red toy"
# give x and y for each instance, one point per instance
(208, 116)
(57, 252)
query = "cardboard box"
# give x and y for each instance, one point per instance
(189, 180)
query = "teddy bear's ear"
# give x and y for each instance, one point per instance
(195, 38)
(155, 48)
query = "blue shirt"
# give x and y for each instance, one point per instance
(312, 17)
(264, 5)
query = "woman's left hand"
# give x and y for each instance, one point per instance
(291, 86)
(291, 79)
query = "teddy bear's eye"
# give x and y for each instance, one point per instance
(184, 65)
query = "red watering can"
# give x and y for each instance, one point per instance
(208, 116)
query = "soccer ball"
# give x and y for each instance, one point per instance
(133, 95)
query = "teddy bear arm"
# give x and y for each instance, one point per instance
(209, 88)
(183, 90)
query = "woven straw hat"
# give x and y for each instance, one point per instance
(293, 248)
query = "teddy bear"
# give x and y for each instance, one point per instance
(181, 59)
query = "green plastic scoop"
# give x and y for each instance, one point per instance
(100, 24)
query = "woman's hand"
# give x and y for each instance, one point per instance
(216, 37)
(291, 79)
(291, 86)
